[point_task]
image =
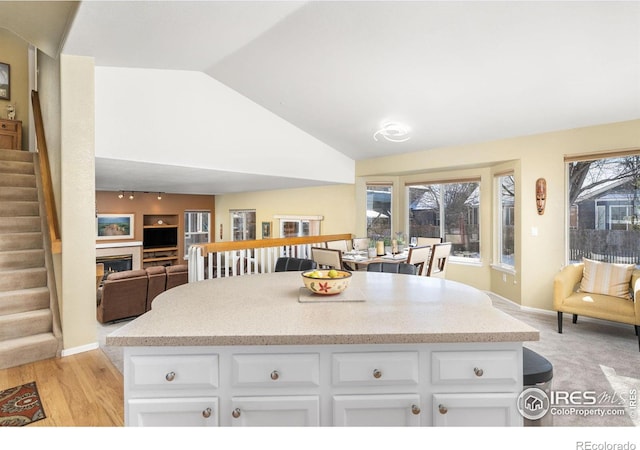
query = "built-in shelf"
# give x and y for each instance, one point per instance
(160, 240)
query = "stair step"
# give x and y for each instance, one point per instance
(12, 209)
(20, 224)
(17, 180)
(16, 352)
(13, 326)
(13, 155)
(21, 241)
(21, 167)
(15, 194)
(11, 280)
(21, 259)
(12, 302)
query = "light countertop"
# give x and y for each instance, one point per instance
(265, 309)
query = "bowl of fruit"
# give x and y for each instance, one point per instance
(326, 282)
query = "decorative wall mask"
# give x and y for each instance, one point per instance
(541, 195)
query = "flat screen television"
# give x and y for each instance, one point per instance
(160, 237)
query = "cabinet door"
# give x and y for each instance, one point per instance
(390, 410)
(476, 410)
(274, 411)
(173, 412)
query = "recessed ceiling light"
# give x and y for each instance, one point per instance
(393, 132)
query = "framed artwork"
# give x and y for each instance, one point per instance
(114, 226)
(5, 82)
(266, 230)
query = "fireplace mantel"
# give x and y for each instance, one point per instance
(133, 248)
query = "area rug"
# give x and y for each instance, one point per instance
(20, 406)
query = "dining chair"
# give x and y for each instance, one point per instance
(438, 261)
(361, 244)
(327, 257)
(289, 264)
(408, 269)
(341, 245)
(430, 241)
(419, 257)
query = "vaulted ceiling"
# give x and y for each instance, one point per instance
(453, 72)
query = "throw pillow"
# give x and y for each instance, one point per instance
(606, 278)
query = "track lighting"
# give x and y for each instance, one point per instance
(121, 194)
(159, 195)
(131, 196)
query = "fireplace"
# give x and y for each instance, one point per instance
(115, 263)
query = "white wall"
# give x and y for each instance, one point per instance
(189, 119)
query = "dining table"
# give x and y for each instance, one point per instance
(361, 259)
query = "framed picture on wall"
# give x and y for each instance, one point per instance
(114, 226)
(266, 230)
(5, 85)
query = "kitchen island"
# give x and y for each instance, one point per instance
(259, 350)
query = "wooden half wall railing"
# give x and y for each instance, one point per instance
(223, 259)
(45, 175)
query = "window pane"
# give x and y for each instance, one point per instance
(450, 211)
(379, 211)
(243, 225)
(506, 236)
(196, 228)
(604, 196)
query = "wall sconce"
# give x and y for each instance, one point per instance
(541, 195)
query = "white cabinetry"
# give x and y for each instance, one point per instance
(478, 388)
(341, 385)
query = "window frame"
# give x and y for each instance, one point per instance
(498, 261)
(200, 225)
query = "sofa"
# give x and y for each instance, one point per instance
(130, 293)
(600, 290)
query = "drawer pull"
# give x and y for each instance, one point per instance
(415, 409)
(478, 372)
(206, 413)
(236, 413)
(442, 409)
(170, 376)
(376, 373)
(4, 126)
(275, 375)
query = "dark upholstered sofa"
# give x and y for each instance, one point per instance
(130, 293)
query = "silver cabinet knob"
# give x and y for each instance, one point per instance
(275, 375)
(442, 409)
(415, 409)
(236, 413)
(170, 376)
(478, 372)
(376, 373)
(206, 413)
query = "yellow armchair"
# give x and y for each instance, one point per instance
(567, 298)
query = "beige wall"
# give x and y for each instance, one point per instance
(14, 51)
(77, 201)
(336, 203)
(538, 257)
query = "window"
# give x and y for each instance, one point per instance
(243, 224)
(604, 208)
(196, 228)
(295, 226)
(505, 187)
(447, 210)
(379, 210)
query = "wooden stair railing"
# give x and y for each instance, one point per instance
(218, 259)
(45, 171)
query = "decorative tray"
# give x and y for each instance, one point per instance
(352, 294)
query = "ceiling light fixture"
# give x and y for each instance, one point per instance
(159, 195)
(131, 197)
(393, 132)
(121, 194)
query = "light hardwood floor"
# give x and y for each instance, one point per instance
(83, 390)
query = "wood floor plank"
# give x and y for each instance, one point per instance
(82, 390)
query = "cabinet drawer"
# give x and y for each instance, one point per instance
(276, 370)
(174, 371)
(375, 368)
(9, 126)
(481, 367)
(174, 412)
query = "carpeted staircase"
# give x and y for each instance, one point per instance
(29, 324)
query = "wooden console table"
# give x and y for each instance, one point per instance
(11, 134)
